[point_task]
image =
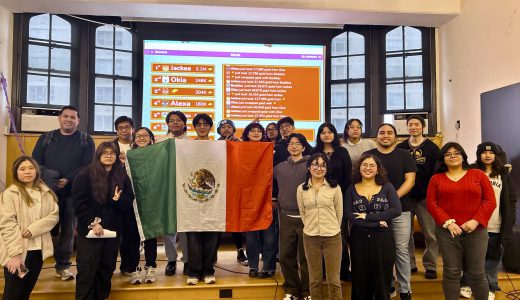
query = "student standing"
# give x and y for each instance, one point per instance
(29, 212)
(321, 208)
(461, 201)
(102, 195)
(372, 204)
(425, 153)
(356, 145)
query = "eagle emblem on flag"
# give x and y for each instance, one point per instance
(202, 186)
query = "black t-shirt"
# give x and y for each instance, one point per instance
(397, 163)
(425, 156)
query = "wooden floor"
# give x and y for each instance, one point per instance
(232, 280)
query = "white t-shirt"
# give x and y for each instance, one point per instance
(495, 221)
(123, 147)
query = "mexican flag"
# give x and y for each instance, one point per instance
(186, 185)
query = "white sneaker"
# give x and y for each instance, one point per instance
(64, 274)
(289, 297)
(150, 275)
(192, 281)
(491, 296)
(136, 277)
(307, 298)
(210, 279)
(393, 292)
(465, 292)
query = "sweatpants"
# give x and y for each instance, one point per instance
(202, 253)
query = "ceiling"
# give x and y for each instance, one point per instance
(300, 13)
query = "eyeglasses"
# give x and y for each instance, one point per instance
(355, 126)
(285, 125)
(368, 166)
(317, 166)
(295, 144)
(108, 153)
(452, 154)
(121, 128)
(202, 125)
(141, 136)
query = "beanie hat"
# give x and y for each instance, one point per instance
(486, 146)
(226, 121)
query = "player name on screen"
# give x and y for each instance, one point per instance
(271, 92)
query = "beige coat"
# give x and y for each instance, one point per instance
(14, 219)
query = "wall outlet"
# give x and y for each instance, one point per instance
(457, 125)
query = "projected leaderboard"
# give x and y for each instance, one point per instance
(233, 81)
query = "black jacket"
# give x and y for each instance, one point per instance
(507, 208)
(340, 168)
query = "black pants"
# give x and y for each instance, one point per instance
(238, 239)
(373, 256)
(202, 253)
(17, 288)
(96, 262)
(150, 252)
(130, 243)
(345, 257)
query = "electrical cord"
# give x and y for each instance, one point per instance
(514, 294)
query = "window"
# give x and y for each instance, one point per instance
(348, 79)
(404, 82)
(49, 62)
(114, 76)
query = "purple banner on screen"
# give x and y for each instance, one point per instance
(234, 54)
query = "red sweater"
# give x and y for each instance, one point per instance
(471, 197)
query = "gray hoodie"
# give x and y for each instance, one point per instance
(289, 176)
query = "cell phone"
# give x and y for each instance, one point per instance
(23, 271)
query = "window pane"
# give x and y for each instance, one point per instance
(412, 38)
(123, 92)
(356, 94)
(413, 66)
(39, 27)
(338, 118)
(103, 118)
(60, 59)
(357, 113)
(338, 95)
(123, 39)
(105, 36)
(37, 89)
(414, 95)
(122, 111)
(356, 67)
(394, 67)
(38, 57)
(104, 62)
(339, 68)
(60, 91)
(394, 40)
(394, 96)
(104, 91)
(339, 45)
(356, 43)
(61, 30)
(123, 63)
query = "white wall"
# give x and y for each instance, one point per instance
(6, 42)
(479, 51)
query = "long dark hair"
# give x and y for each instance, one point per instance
(381, 176)
(314, 158)
(443, 168)
(319, 143)
(245, 135)
(37, 183)
(150, 133)
(497, 167)
(278, 136)
(347, 125)
(102, 182)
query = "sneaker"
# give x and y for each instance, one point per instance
(253, 273)
(241, 257)
(307, 298)
(210, 279)
(405, 296)
(263, 274)
(150, 275)
(192, 281)
(126, 274)
(64, 275)
(289, 297)
(491, 296)
(465, 292)
(393, 293)
(430, 274)
(170, 269)
(136, 277)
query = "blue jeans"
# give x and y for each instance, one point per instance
(402, 226)
(265, 241)
(65, 242)
(171, 250)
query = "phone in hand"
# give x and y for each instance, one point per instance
(23, 271)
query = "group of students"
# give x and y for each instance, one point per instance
(345, 194)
